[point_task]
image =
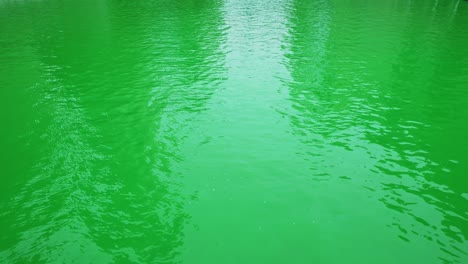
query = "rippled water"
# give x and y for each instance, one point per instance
(210, 131)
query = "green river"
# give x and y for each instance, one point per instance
(234, 131)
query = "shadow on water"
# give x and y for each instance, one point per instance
(423, 123)
(115, 97)
(373, 102)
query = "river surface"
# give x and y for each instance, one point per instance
(234, 131)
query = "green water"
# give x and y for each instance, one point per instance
(222, 131)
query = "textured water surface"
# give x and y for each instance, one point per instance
(222, 131)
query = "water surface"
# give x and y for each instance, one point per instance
(222, 131)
